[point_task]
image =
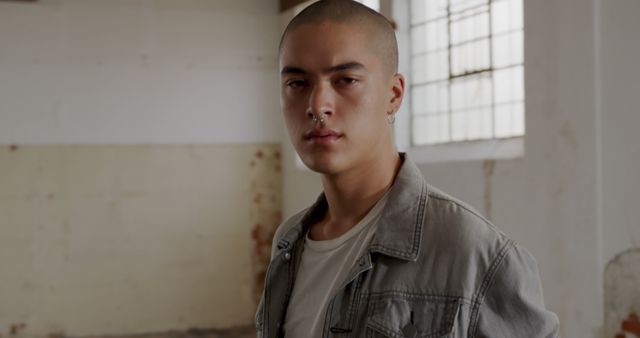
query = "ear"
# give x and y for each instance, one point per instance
(397, 93)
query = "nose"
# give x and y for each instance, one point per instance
(321, 102)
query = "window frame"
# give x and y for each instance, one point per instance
(474, 150)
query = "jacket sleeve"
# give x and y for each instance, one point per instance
(513, 304)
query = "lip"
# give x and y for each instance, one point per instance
(322, 136)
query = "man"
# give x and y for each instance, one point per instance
(381, 253)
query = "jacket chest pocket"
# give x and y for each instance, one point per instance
(402, 315)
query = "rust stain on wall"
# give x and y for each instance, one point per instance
(266, 206)
(630, 325)
(112, 210)
(622, 295)
(15, 329)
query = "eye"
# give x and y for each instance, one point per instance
(347, 81)
(296, 83)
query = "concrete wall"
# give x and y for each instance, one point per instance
(103, 240)
(145, 71)
(139, 163)
(569, 199)
(620, 87)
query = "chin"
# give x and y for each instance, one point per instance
(321, 163)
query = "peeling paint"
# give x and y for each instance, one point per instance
(631, 324)
(138, 219)
(622, 294)
(266, 189)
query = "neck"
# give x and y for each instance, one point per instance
(352, 194)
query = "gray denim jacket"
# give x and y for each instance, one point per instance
(435, 269)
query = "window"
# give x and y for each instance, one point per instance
(373, 4)
(467, 78)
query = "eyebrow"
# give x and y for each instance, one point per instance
(332, 69)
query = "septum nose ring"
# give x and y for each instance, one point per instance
(315, 119)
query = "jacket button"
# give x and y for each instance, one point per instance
(410, 330)
(287, 256)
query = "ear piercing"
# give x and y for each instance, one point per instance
(391, 118)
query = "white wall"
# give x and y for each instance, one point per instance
(620, 89)
(120, 71)
(620, 85)
(569, 200)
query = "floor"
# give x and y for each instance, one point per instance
(245, 332)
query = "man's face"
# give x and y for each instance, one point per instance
(330, 70)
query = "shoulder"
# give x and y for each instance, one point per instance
(460, 236)
(450, 218)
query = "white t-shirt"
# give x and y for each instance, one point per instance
(324, 266)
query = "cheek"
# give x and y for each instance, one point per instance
(293, 101)
(372, 123)
(293, 116)
(370, 105)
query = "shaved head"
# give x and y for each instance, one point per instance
(382, 38)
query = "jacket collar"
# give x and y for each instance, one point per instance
(400, 227)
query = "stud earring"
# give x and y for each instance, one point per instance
(391, 118)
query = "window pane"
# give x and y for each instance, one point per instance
(430, 67)
(430, 99)
(431, 129)
(470, 27)
(373, 4)
(479, 123)
(518, 119)
(509, 84)
(422, 10)
(504, 120)
(506, 15)
(461, 5)
(509, 120)
(470, 57)
(508, 49)
(419, 69)
(430, 37)
(419, 39)
(473, 124)
(471, 92)
(437, 35)
(458, 126)
(468, 76)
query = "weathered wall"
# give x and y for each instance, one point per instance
(127, 239)
(145, 71)
(147, 154)
(620, 53)
(622, 294)
(620, 86)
